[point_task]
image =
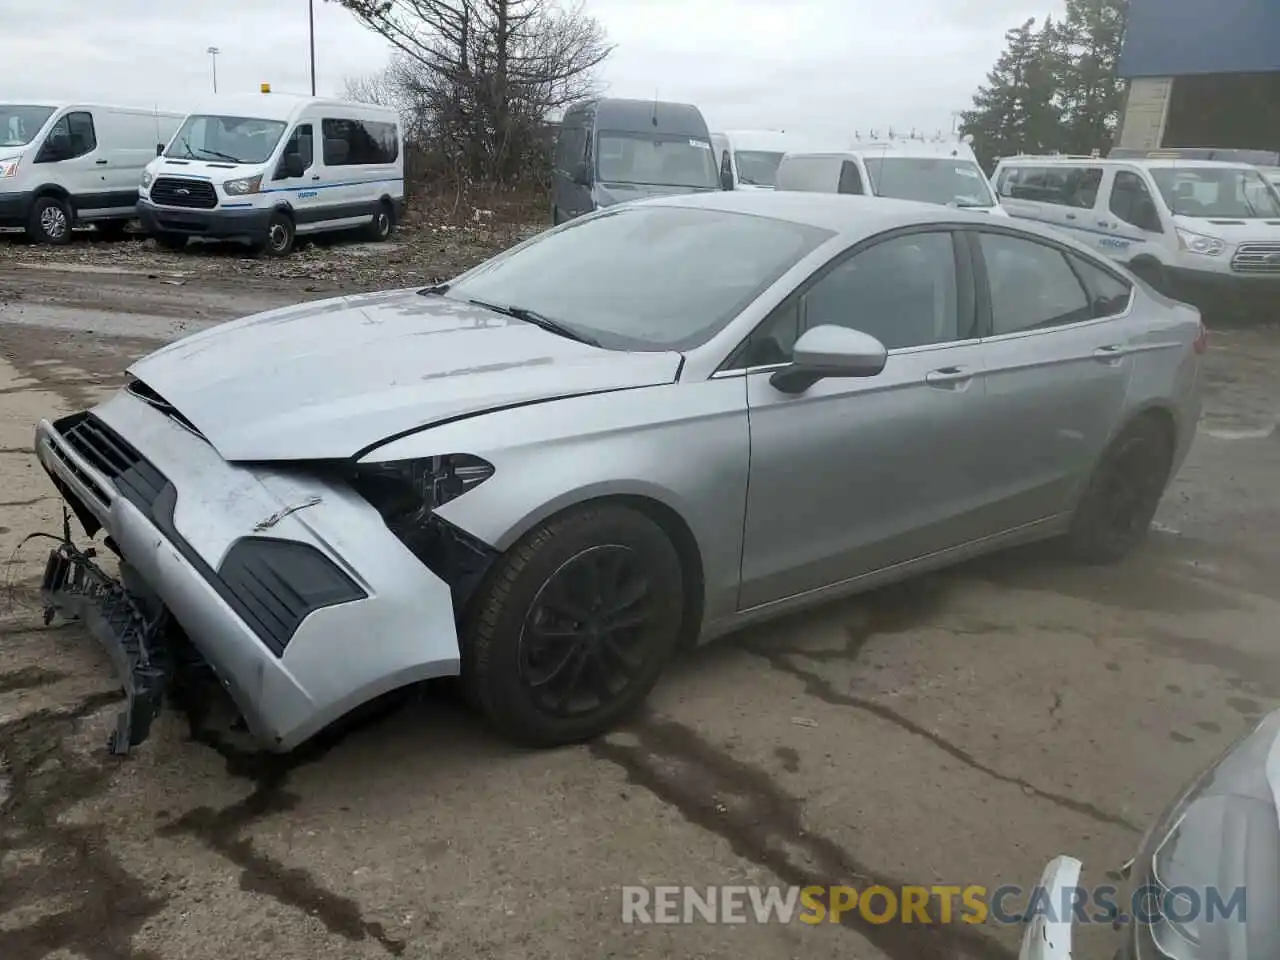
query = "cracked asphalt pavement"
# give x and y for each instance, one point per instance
(959, 729)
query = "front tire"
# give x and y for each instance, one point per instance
(574, 626)
(280, 236)
(1152, 272)
(1120, 502)
(174, 242)
(50, 221)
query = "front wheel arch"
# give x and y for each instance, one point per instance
(666, 517)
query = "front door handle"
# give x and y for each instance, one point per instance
(1110, 353)
(1106, 224)
(949, 378)
(101, 163)
(315, 177)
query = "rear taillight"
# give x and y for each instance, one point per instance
(1201, 343)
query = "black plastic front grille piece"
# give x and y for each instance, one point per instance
(113, 457)
(274, 584)
(175, 192)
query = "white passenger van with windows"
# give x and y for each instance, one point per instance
(64, 164)
(268, 168)
(1207, 232)
(749, 159)
(943, 171)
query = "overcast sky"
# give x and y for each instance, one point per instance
(822, 67)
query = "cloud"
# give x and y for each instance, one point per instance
(826, 67)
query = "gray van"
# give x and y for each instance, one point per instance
(611, 151)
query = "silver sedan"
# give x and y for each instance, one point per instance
(641, 429)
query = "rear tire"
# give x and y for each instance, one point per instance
(574, 626)
(382, 225)
(50, 221)
(1120, 502)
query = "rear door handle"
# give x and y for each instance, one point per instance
(100, 162)
(1071, 216)
(949, 378)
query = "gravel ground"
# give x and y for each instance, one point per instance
(963, 728)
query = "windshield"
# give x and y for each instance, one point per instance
(656, 160)
(229, 139)
(644, 278)
(1236, 192)
(930, 180)
(758, 167)
(20, 124)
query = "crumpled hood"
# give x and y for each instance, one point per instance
(332, 378)
(607, 194)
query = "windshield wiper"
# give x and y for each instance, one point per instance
(221, 156)
(435, 290)
(538, 320)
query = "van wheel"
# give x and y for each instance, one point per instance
(171, 241)
(382, 224)
(280, 236)
(1152, 273)
(50, 221)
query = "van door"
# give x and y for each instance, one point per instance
(301, 191)
(125, 146)
(571, 199)
(1130, 223)
(69, 158)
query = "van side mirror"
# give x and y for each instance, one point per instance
(581, 173)
(159, 149)
(293, 166)
(726, 179)
(830, 351)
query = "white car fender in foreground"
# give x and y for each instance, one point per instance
(1046, 939)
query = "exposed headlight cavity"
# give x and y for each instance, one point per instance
(409, 489)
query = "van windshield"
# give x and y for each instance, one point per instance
(950, 180)
(758, 168)
(656, 160)
(1237, 192)
(229, 139)
(19, 124)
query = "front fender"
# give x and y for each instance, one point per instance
(683, 445)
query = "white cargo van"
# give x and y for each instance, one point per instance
(939, 171)
(265, 168)
(63, 164)
(749, 159)
(1193, 229)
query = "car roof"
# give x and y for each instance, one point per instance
(851, 216)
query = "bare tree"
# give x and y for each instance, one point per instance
(481, 75)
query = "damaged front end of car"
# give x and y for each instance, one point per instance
(271, 573)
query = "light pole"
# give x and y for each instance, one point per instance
(311, 23)
(213, 55)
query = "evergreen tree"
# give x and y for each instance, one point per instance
(1017, 110)
(1090, 92)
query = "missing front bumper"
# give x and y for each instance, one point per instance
(76, 587)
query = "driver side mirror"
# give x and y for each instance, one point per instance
(726, 179)
(830, 351)
(159, 149)
(581, 173)
(293, 166)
